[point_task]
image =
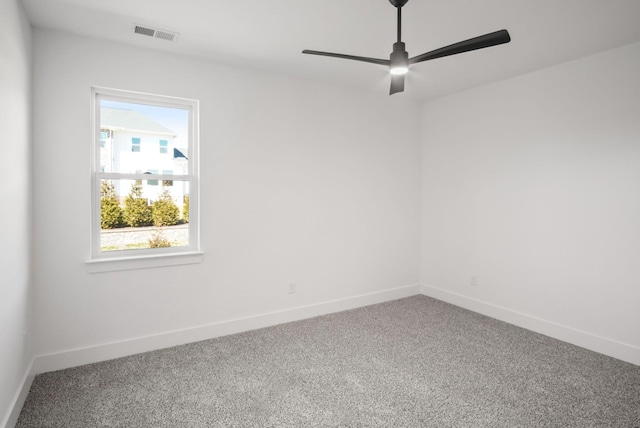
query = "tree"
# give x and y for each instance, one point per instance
(164, 210)
(137, 211)
(185, 209)
(111, 215)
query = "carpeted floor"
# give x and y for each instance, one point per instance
(414, 362)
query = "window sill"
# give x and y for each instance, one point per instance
(143, 262)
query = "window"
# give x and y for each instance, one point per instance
(167, 182)
(152, 182)
(103, 138)
(133, 218)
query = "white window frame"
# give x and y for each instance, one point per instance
(102, 261)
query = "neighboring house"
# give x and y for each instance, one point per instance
(131, 142)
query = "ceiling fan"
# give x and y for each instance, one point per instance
(399, 60)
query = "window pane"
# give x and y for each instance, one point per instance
(167, 182)
(134, 215)
(135, 145)
(143, 138)
(152, 182)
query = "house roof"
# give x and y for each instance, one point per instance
(118, 118)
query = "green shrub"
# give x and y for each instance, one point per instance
(164, 210)
(110, 210)
(185, 209)
(110, 213)
(158, 240)
(137, 211)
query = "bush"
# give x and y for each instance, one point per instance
(185, 209)
(110, 213)
(158, 240)
(110, 210)
(164, 210)
(137, 211)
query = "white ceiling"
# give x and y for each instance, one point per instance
(269, 35)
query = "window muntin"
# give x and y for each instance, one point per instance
(127, 168)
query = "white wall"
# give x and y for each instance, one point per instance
(15, 191)
(533, 186)
(300, 181)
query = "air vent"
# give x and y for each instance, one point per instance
(144, 31)
(155, 33)
(165, 35)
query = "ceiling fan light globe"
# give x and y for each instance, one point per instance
(399, 70)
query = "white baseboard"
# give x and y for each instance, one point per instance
(108, 351)
(11, 418)
(602, 345)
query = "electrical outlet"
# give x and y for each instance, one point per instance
(292, 287)
(474, 281)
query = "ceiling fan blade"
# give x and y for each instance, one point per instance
(352, 57)
(480, 42)
(397, 83)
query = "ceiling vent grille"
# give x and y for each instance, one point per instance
(155, 33)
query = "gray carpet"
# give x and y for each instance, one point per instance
(414, 362)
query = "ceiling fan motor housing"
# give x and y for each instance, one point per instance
(399, 57)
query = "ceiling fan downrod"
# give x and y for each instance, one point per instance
(399, 58)
(398, 5)
(399, 24)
